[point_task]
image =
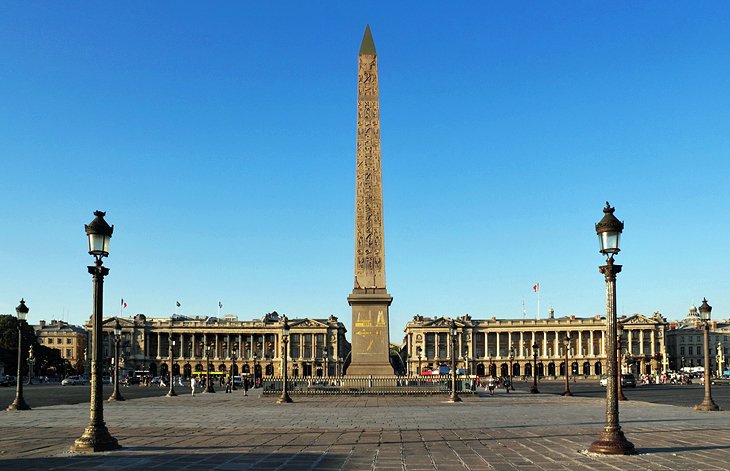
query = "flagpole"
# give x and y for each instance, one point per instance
(538, 301)
(219, 309)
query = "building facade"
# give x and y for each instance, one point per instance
(316, 347)
(67, 338)
(485, 346)
(686, 343)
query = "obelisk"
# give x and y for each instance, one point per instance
(369, 299)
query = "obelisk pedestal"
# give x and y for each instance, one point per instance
(369, 299)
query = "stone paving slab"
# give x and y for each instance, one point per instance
(232, 432)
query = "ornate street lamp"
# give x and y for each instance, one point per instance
(491, 366)
(566, 347)
(707, 404)
(533, 389)
(284, 399)
(454, 332)
(611, 441)
(116, 395)
(620, 359)
(419, 353)
(324, 357)
(171, 345)
(31, 362)
(96, 437)
(511, 359)
(208, 383)
(233, 367)
(19, 403)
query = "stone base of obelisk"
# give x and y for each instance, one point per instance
(370, 341)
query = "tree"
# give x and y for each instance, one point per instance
(9, 343)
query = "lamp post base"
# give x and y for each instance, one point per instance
(171, 393)
(455, 398)
(284, 399)
(708, 405)
(116, 396)
(95, 438)
(612, 442)
(567, 393)
(20, 404)
(534, 390)
(621, 396)
(209, 387)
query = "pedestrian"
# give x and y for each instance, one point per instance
(229, 385)
(491, 384)
(507, 384)
(192, 385)
(180, 378)
(245, 386)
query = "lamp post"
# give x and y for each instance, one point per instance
(491, 360)
(619, 356)
(171, 345)
(707, 404)
(233, 367)
(611, 441)
(31, 362)
(284, 399)
(116, 395)
(96, 437)
(324, 356)
(454, 397)
(208, 383)
(533, 389)
(419, 354)
(511, 359)
(255, 376)
(566, 347)
(19, 403)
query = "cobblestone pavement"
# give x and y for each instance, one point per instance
(232, 432)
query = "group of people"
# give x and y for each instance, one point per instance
(492, 383)
(227, 381)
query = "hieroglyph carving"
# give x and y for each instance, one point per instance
(369, 246)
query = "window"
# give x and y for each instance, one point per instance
(68, 353)
(690, 349)
(681, 351)
(50, 341)
(68, 341)
(681, 338)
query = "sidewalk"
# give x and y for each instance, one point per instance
(219, 431)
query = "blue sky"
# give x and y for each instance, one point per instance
(221, 142)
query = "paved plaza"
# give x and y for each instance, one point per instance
(233, 432)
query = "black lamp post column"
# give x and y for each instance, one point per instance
(511, 359)
(533, 389)
(611, 441)
(454, 396)
(116, 395)
(31, 362)
(19, 403)
(566, 347)
(233, 367)
(208, 383)
(284, 399)
(707, 404)
(171, 347)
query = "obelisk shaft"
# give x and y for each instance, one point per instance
(369, 298)
(369, 245)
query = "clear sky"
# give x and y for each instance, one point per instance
(220, 139)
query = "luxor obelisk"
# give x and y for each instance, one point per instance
(369, 299)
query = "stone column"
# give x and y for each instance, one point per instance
(592, 350)
(579, 347)
(641, 342)
(522, 343)
(159, 345)
(497, 352)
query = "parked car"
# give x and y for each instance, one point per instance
(155, 380)
(73, 381)
(4, 381)
(628, 380)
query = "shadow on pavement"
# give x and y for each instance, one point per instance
(210, 461)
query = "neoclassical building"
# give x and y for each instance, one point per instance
(316, 346)
(485, 346)
(685, 339)
(68, 339)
